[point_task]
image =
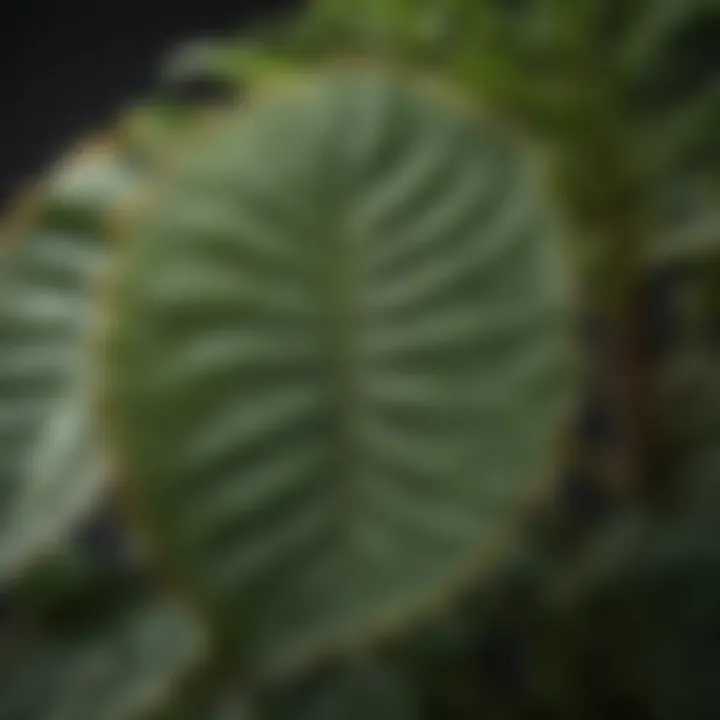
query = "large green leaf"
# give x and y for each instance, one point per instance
(338, 357)
(50, 470)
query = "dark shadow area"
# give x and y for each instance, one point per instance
(67, 68)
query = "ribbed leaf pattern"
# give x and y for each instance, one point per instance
(337, 360)
(49, 469)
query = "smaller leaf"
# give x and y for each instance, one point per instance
(65, 478)
(113, 669)
(355, 689)
(213, 693)
(686, 221)
(50, 468)
(233, 63)
(641, 611)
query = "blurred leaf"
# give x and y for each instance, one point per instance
(115, 667)
(641, 612)
(51, 472)
(354, 689)
(233, 62)
(337, 372)
(65, 478)
(686, 221)
(483, 657)
(691, 395)
(208, 696)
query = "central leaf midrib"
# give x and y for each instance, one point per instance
(342, 302)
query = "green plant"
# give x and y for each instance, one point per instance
(311, 358)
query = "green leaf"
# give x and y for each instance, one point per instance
(673, 109)
(232, 62)
(50, 469)
(214, 703)
(66, 473)
(485, 656)
(685, 220)
(354, 689)
(337, 360)
(690, 395)
(114, 668)
(643, 609)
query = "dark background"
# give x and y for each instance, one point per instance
(67, 68)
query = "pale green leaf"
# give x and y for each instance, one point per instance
(337, 361)
(50, 469)
(62, 481)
